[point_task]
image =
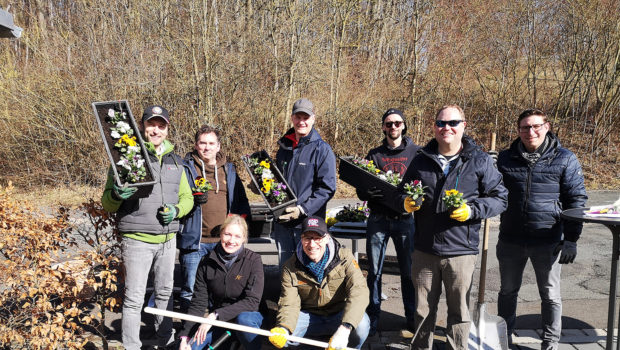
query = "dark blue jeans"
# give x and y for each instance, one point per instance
(189, 260)
(250, 341)
(379, 229)
(512, 259)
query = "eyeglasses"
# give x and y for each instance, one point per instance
(535, 127)
(308, 239)
(443, 123)
(396, 124)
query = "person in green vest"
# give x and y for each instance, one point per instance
(148, 223)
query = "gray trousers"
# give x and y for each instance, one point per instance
(512, 259)
(138, 258)
(429, 272)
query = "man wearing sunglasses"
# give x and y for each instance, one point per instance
(446, 238)
(394, 155)
(542, 178)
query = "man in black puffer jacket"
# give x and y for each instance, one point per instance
(542, 180)
(446, 239)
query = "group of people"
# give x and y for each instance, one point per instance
(323, 290)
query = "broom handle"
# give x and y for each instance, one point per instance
(485, 248)
(234, 326)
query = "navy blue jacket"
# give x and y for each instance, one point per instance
(191, 232)
(310, 170)
(475, 175)
(537, 195)
(396, 160)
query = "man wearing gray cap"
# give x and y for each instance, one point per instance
(148, 222)
(309, 166)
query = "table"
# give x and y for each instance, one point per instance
(578, 214)
(352, 231)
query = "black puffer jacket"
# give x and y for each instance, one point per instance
(481, 184)
(537, 195)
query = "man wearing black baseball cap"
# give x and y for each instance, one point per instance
(323, 292)
(393, 156)
(309, 166)
(148, 223)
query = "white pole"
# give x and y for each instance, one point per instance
(234, 326)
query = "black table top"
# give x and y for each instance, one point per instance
(578, 214)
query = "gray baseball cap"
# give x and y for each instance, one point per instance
(303, 105)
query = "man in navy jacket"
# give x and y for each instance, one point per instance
(446, 239)
(309, 166)
(543, 179)
(200, 232)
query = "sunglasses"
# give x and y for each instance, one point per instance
(396, 124)
(443, 123)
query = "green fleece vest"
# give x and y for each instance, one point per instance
(139, 213)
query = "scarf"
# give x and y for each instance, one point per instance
(317, 268)
(533, 157)
(227, 258)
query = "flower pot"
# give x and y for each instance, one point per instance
(100, 109)
(274, 207)
(363, 181)
(200, 198)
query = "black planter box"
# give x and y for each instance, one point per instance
(363, 180)
(262, 221)
(100, 110)
(278, 209)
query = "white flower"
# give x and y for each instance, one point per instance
(133, 149)
(389, 172)
(123, 127)
(111, 113)
(382, 177)
(115, 134)
(267, 174)
(124, 162)
(140, 163)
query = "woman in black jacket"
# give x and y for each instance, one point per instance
(229, 287)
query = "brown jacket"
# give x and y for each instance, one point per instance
(343, 288)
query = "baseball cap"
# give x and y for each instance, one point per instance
(315, 224)
(155, 111)
(397, 112)
(303, 105)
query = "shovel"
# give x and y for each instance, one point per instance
(487, 332)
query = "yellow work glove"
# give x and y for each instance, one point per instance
(412, 205)
(461, 213)
(278, 337)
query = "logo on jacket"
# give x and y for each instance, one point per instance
(238, 277)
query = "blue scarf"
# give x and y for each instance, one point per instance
(317, 268)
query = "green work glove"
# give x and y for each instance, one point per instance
(123, 193)
(167, 213)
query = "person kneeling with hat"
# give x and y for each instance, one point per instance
(323, 292)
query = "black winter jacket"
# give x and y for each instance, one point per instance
(537, 195)
(476, 177)
(396, 160)
(229, 293)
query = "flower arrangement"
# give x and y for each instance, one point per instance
(273, 190)
(132, 168)
(202, 185)
(369, 165)
(453, 199)
(353, 213)
(414, 189)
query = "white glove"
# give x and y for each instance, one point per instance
(292, 213)
(340, 339)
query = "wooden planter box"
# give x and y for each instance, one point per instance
(101, 112)
(363, 181)
(274, 208)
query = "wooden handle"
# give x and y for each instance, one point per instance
(485, 246)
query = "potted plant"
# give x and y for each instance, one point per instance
(270, 183)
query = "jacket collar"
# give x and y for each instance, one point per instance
(284, 142)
